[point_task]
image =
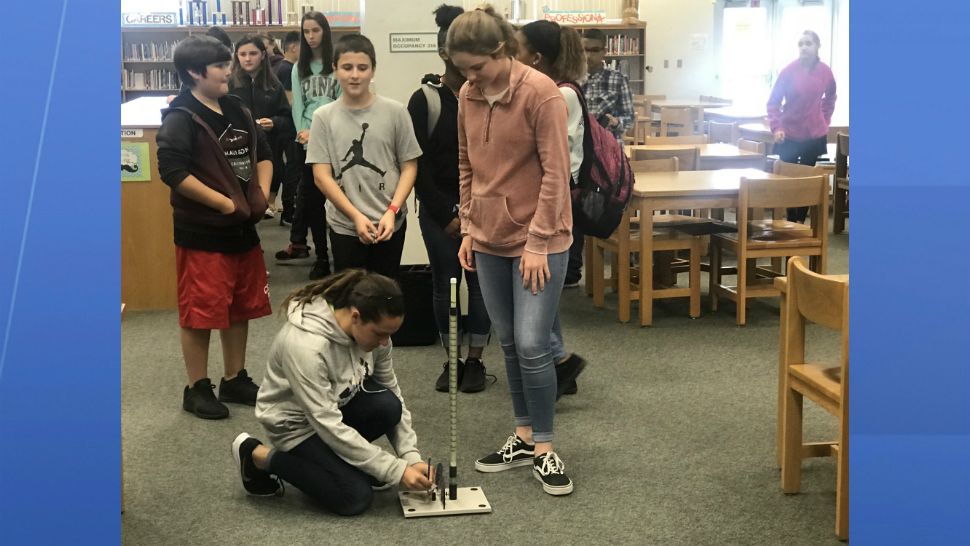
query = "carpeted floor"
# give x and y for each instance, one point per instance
(670, 439)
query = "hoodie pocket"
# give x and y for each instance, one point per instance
(492, 223)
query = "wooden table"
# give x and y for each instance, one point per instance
(712, 156)
(735, 114)
(813, 449)
(683, 103)
(680, 190)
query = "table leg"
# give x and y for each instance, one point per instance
(646, 262)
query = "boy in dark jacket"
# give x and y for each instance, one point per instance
(219, 166)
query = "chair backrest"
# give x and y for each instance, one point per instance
(722, 132)
(655, 165)
(688, 158)
(809, 191)
(842, 156)
(680, 120)
(784, 168)
(752, 145)
(676, 140)
(819, 299)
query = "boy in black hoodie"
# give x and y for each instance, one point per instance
(219, 166)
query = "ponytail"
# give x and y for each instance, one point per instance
(561, 46)
(373, 295)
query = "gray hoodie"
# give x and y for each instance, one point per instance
(314, 369)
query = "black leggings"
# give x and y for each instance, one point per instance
(383, 258)
(310, 213)
(314, 468)
(803, 152)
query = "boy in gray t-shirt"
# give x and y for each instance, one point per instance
(364, 155)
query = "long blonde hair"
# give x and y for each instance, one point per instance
(482, 32)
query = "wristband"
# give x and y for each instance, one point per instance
(393, 208)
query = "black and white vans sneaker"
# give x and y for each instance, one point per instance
(256, 482)
(514, 453)
(549, 469)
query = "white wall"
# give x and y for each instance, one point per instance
(680, 30)
(399, 74)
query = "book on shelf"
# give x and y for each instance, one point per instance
(156, 78)
(150, 51)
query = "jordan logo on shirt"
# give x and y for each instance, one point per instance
(357, 150)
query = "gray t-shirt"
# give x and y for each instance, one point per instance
(365, 148)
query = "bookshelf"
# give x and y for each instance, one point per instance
(625, 50)
(146, 54)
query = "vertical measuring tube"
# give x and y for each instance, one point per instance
(453, 388)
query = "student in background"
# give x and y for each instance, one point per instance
(219, 166)
(272, 51)
(437, 189)
(608, 98)
(800, 109)
(313, 86)
(557, 52)
(364, 158)
(255, 84)
(516, 224)
(293, 168)
(330, 392)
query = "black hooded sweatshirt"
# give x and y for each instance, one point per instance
(222, 152)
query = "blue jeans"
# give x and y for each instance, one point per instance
(524, 324)
(443, 255)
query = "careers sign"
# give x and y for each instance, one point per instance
(149, 19)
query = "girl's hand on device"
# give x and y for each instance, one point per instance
(265, 123)
(366, 231)
(385, 228)
(535, 271)
(415, 477)
(465, 256)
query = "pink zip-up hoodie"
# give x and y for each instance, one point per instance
(513, 162)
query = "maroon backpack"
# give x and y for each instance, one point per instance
(605, 184)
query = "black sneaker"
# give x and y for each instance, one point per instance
(200, 400)
(256, 482)
(514, 453)
(473, 379)
(567, 372)
(239, 389)
(571, 388)
(293, 252)
(549, 469)
(320, 270)
(441, 385)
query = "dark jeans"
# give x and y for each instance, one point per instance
(292, 172)
(314, 468)
(383, 258)
(310, 212)
(574, 269)
(803, 152)
(278, 166)
(443, 255)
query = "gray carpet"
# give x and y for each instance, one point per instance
(669, 441)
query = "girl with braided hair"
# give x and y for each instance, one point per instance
(329, 393)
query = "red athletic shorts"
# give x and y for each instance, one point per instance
(216, 290)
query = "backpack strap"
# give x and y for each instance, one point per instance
(434, 105)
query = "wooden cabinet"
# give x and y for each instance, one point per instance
(146, 54)
(625, 51)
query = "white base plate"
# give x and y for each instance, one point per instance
(471, 500)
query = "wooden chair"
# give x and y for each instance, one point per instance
(679, 120)
(722, 132)
(624, 243)
(821, 300)
(752, 146)
(840, 191)
(688, 157)
(751, 242)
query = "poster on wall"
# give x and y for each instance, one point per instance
(135, 162)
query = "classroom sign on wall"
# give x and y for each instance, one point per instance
(135, 162)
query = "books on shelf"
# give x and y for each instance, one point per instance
(150, 51)
(622, 44)
(156, 78)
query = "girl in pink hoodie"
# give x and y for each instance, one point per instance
(516, 225)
